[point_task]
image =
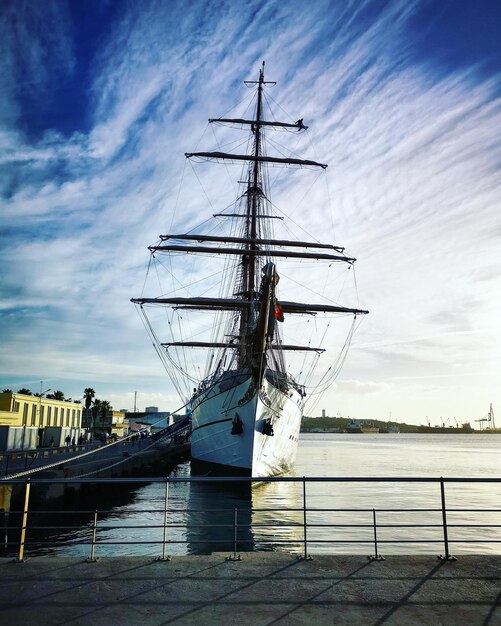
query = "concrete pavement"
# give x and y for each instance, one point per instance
(263, 588)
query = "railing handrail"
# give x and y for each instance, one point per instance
(305, 524)
(256, 479)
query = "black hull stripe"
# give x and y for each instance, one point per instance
(226, 419)
(209, 468)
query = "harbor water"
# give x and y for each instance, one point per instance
(270, 515)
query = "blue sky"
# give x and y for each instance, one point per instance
(100, 100)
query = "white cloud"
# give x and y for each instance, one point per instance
(413, 182)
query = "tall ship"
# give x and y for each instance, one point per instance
(246, 407)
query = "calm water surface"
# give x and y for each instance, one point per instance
(270, 515)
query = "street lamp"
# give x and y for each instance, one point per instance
(42, 393)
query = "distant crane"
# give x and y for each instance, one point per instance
(484, 419)
(488, 418)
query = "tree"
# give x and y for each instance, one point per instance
(100, 410)
(96, 408)
(57, 395)
(6, 390)
(105, 407)
(101, 406)
(26, 392)
(89, 395)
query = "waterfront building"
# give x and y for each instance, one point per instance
(110, 423)
(25, 420)
(17, 409)
(118, 423)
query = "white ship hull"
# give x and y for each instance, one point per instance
(250, 452)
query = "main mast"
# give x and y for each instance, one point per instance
(255, 192)
(254, 196)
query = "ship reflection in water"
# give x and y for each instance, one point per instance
(210, 518)
(267, 517)
(277, 517)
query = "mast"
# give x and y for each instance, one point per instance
(253, 305)
(249, 260)
(255, 191)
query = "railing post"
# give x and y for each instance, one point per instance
(235, 556)
(447, 556)
(24, 523)
(305, 556)
(165, 556)
(375, 556)
(92, 558)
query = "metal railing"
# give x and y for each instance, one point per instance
(240, 521)
(17, 460)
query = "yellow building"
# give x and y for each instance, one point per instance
(118, 423)
(17, 409)
(112, 423)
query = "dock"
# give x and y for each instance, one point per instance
(113, 458)
(262, 588)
